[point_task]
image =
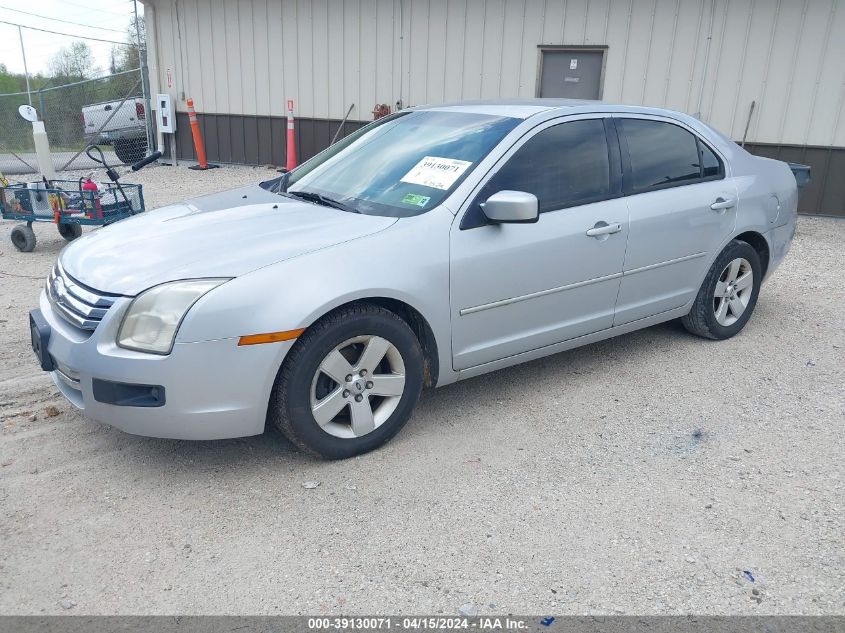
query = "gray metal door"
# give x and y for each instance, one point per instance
(571, 74)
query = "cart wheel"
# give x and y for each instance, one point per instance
(70, 231)
(23, 237)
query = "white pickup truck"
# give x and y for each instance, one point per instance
(120, 124)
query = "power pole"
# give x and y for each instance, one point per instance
(145, 83)
(25, 70)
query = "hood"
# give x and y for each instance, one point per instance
(220, 235)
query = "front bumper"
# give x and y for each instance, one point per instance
(215, 389)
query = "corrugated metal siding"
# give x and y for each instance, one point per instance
(241, 60)
(712, 57)
(256, 140)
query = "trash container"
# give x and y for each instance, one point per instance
(802, 174)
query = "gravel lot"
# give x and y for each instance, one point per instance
(652, 473)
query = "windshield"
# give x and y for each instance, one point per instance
(402, 165)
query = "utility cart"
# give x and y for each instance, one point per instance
(70, 204)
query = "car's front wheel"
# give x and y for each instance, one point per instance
(728, 295)
(349, 383)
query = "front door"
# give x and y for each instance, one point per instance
(571, 73)
(519, 287)
(682, 209)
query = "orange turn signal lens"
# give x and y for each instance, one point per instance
(272, 337)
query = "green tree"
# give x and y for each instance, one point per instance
(128, 57)
(73, 63)
(9, 82)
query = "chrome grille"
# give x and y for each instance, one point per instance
(75, 303)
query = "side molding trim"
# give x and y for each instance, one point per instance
(580, 284)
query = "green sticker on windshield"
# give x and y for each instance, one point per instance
(415, 199)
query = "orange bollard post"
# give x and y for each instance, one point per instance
(199, 146)
(291, 148)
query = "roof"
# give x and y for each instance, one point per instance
(518, 108)
(524, 108)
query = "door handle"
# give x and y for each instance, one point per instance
(723, 203)
(603, 228)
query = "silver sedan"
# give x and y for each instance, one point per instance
(430, 246)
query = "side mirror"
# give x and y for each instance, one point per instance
(511, 207)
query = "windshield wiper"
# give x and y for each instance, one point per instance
(319, 198)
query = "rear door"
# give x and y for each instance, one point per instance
(519, 287)
(682, 208)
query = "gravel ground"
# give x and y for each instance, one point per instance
(652, 473)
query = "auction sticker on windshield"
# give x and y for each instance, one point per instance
(436, 172)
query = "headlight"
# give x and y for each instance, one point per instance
(152, 320)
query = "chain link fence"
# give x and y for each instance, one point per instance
(17, 151)
(107, 111)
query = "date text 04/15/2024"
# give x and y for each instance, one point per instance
(430, 623)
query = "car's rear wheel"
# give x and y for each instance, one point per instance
(728, 295)
(349, 384)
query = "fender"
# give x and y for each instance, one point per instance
(295, 293)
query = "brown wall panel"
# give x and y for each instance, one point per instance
(236, 129)
(811, 197)
(184, 145)
(833, 194)
(265, 142)
(251, 140)
(325, 130)
(304, 139)
(257, 140)
(278, 130)
(211, 136)
(766, 151)
(826, 193)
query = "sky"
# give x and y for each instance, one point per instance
(104, 19)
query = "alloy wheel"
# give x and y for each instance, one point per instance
(357, 386)
(733, 291)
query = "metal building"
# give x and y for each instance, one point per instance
(769, 71)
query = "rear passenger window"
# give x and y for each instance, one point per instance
(661, 154)
(563, 166)
(710, 165)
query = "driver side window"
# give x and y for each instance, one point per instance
(564, 166)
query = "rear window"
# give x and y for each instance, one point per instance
(711, 166)
(662, 154)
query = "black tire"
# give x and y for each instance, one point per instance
(23, 237)
(130, 150)
(290, 403)
(701, 319)
(70, 231)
